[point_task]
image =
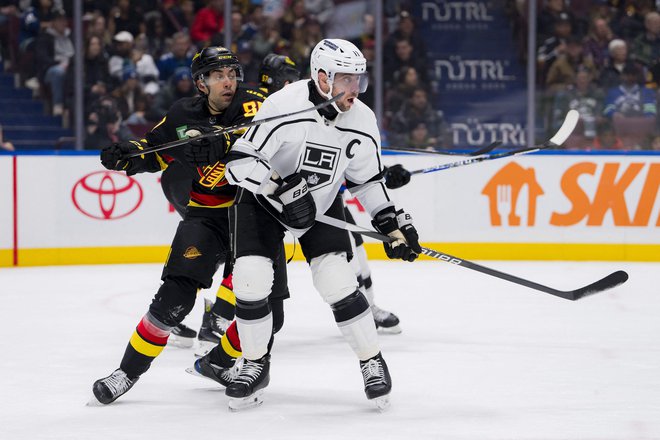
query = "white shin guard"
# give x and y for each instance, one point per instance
(253, 281)
(361, 335)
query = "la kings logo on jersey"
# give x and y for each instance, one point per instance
(319, 164)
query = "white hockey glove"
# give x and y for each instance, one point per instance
(398, 225)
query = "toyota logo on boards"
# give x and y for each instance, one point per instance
(107, 195)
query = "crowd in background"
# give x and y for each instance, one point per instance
(599, 57)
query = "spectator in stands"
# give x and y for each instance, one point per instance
(552, 12)
(251, 26)
(404, 56)
(5, 145)
(293, 19)
(34, 20)
(180, 56)
(610, 76)
(9, 25)
(53, 50)
(304, 40)
(208, 21)
(123, 47)
(646, 47)
(154, 39)
(321, 10)
(406, 80)
(181, 16)
(629, 22)
(268, 39)
(417, 109)
(655, 143)
(554, 46)
(98, 28)
(179, 86)
(96, 76)
(583, 96)
(630, 99)
(128, 92)
(405, 31)
(563, 71)
(607, 138)
(103, 123)
(126, 17)
(247, 60)
(596, 43)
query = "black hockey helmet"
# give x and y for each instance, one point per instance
(276, 70)
(213, 58)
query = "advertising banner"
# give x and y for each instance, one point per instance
(479, 77)
(534, 207)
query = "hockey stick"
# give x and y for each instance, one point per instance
(559, 138)
(610, 281)
(178, 143)
(479, 152)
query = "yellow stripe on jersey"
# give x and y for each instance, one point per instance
(144, 347)
(222, 205)
(226, 295)
(226, 346)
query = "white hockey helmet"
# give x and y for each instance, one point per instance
(334, 56)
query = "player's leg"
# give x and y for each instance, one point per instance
(386, 322)
(328, 251)
(191, 264)
(256, 243)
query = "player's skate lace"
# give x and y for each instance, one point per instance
(218, 323)
(372, 372)
(118, 383)
(249, 372)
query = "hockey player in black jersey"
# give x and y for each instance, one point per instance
(219, 364)
(202, 237)
(289, 170)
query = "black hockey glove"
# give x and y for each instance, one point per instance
(206, 151)
(398, 225)
(396, 176)
(114, 157)
(298, 207)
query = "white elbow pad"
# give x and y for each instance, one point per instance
(249, 173)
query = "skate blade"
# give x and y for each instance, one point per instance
(204, 348)
(241, 404)
(382, 403)
(94, 402)
(181, 342)
(395, 330)
(194, 372)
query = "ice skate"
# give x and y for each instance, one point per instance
(245, 390)
(386, 322)
(203, 367)
(182, 337)
(377, 381)
(212, 329)
(108, 389)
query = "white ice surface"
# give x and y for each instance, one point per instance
(479, 358)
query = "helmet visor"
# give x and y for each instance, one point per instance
(350, 82)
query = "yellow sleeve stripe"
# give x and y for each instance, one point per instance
(226, 346)
(222, 205)
(159, 124)
(144, 347)
(226, 295)
(161, 162)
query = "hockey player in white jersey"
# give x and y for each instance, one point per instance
(290, 169)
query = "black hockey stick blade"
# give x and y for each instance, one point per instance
(567, 127)
(610, 281)
(237, 127)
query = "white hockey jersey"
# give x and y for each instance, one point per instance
(324, 152)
